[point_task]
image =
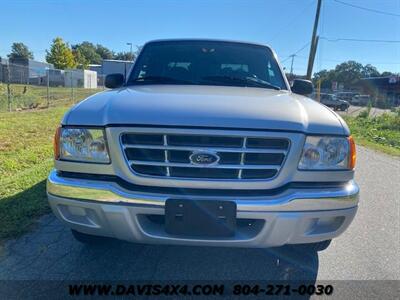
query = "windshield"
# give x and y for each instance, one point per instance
(207, 63)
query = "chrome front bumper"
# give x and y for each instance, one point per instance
(294, 216)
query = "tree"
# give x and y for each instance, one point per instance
(85, 54)
(20, 50)
(326, 77)
(348, 73)
(369, 71)
(124, 56)
(387, 74)
(104, 52)
(60, 55)
(80, 59)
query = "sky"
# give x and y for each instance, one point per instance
(285, 25)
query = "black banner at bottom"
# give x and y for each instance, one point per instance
(370, 289)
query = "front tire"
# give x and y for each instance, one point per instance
(343, 107)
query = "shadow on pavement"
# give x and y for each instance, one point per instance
(19, 211)
(51, 253)
(133, 261)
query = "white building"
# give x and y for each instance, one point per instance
(80, 78)
(111, 66)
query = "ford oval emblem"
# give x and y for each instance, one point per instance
(203, 158)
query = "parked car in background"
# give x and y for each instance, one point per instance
(332, 101)
(205, 143)
(347, 96)
(361, 100)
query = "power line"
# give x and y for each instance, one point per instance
(367, 9)
(361, 61)
(358, 40)
(298, 51)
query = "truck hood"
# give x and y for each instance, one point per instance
(206, 106)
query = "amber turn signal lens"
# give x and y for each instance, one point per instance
(352, 156)
(56, 143)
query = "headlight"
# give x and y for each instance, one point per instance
(328, 153)
(82, 145)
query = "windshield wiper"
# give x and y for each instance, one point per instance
(160, 79)
(253, 81)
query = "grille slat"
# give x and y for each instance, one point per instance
(185, 165)
(215, 149)
(204, 141)
(204, 173)
(168, 155)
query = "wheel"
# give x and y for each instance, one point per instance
(314, 247)
(343, 107)
(87, 238)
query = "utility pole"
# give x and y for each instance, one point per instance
(314, 42)
(131, 53)
(291, 65)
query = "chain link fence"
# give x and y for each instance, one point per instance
(23, 87)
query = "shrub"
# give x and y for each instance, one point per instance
(381, 103)
(365, 113)
(383, 130)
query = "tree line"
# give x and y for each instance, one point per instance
(65, 56)
(348, 73)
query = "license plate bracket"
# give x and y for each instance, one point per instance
(208, 218)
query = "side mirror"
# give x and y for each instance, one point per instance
(302, 87)
(114, 81)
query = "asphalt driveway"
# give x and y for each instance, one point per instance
(369, 249)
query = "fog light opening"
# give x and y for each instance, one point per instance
(325, 225)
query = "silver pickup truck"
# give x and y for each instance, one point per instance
(204, 143)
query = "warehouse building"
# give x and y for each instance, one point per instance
(386, 89)
(111, 66)
(27, 71)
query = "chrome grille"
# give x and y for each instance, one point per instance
(168, 155)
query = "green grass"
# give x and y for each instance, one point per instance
(381, 133)
(26, 158)
(26, 150)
